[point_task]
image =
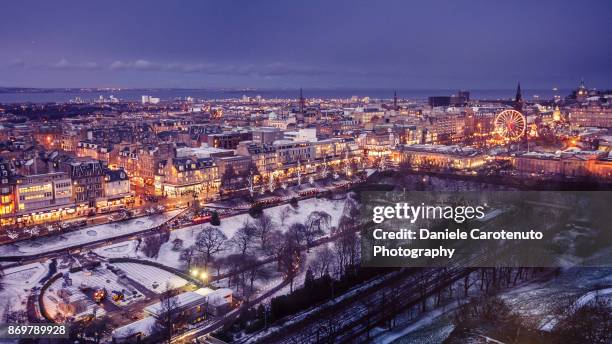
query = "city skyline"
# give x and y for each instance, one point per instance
(438, 45)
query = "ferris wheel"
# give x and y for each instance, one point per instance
(510, 124)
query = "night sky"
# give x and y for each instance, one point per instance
(288, 44)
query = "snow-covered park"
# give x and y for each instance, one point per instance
(171, 257)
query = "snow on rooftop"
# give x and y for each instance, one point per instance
(144, 326)
(153, 278)
(214, 297)
(444, 149)
(203, 151)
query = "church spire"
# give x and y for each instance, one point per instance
(395, 99)
(518, 100)
(301, 102)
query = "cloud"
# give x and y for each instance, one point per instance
(143, 65)
(265, 70)
(64, 64)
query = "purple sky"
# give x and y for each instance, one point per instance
(288, 44)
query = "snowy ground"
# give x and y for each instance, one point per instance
(230, 225)
(574, 288)
(85, 235)
(126, 249)
(18, 281)
(431, 327)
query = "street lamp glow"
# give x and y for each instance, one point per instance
(194, 272)
(204, 275)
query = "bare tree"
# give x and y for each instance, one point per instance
(317, 223)
(243, 239)
(235, 264)
(322, 260)
(217, 264)
(169, 318)
(298, 232)
(346, 245)
(228, 177)
(187, 255)
(276, 239)
(152, 244)
(290, 258)
(285, 214)
(96, 329)
(591, 323)
(264, 225)
(11, 316)
(210, 241)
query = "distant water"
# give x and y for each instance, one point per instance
(64, 95)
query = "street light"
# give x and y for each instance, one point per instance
(194, 272)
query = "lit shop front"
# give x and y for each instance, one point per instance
(113, 204)
(48, 215)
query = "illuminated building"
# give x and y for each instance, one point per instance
(228, 140)
(581, 92)
(149, 100)
(116, 191)
(571, 162)
(444, 127)
(281, 122)
(178, 177)
(266, 135)
(170, 125)
(7, 198)
(194, 305)
(69, 141)
(288, 152)
(556, 114)
(336, 147)
(93, 150)
(43, 197)
(378, 142)
(591, 116)
(262, 155)
(368, 114)
(439, 156)
(87, 178)
(307, 134)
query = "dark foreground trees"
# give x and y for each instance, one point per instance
(169, 319)
(494, 318)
